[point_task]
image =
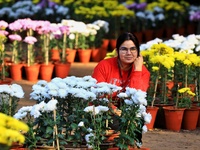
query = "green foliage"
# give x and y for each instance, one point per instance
(5, 101)
(130, 127)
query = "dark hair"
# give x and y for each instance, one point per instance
(127, 36)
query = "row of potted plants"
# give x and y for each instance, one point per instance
(74, 112)
(136, 16)
(31, 43)
(174, 67)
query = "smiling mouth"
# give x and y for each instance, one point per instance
(129, 57)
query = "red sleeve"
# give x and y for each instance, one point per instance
(99, 72)
(140, 79)
(105, 70)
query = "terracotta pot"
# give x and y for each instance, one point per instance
(158, 33)
(105, 43)
(180, 30)
(153, 111)
(45, 148)
(190, 118)
(148, 35)
(160, 118)
(104, 48)
(70, 55)
(16, 71)
(139, 36)
(62, 70)
(112, 43)
(191, 28)
(111, 137)
(6, 81)
(46, 71)
(55, 54)
(169, 31)
(32, 72)
(95, 55)
(173, 118)
(142, 148)
(84, 55)
(17, 146)
(198, 122)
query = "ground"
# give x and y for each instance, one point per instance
(162, 139)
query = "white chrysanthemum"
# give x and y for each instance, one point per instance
(35, 112)
(144, 129)
(92, 109)
(142, 108)
(128, 102)
(102, 108)
(89, 130)
(71, 36)
(5, 89)
(17, 91)
(20, 115)
(87, 139)
(147, 117)
(81, 124)
(51, 105)
(122, 95)
(62, 93)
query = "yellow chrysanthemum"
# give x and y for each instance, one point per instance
(193, 58)
(179, 56)
(183, 90)
(155, 68)
(161, 49)
(9, 136)
(191, 93)
(12, 123)
(197, 62)
(11, 129)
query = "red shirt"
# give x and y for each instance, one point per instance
(108, 71)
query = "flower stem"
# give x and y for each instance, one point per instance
(64, 48)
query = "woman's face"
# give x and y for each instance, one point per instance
(127, 52)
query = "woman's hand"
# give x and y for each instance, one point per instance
(117, 112)
(138, 63)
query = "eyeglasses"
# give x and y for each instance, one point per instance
(125, 49)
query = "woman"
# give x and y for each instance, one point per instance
(125, 70)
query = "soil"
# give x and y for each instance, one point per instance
(163, 139)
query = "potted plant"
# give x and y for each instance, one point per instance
(44, 30)
(40, 135)
(10, 96)
(71, 51)
(133, 119)
(82, 43)
(63, 64)
(72, 39)
(100, 40)
(16, 66)
(160, 61)
(31, 68)
(3, 39)
(191, 114)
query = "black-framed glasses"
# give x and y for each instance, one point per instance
(125, 49)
